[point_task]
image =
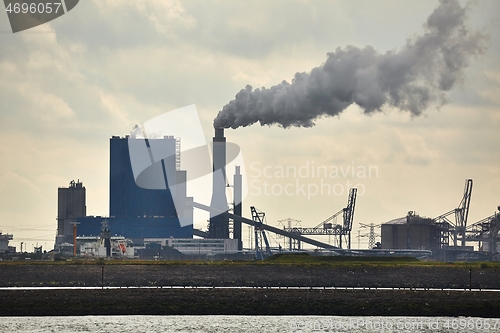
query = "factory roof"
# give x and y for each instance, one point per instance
(411, 219)
(399, 220)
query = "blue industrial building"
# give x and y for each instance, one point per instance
(146, 211)
(126, 199)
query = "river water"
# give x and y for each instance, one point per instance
(254, 324)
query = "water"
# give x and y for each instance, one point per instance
(254, 324)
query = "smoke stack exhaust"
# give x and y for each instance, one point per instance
(412, 78)
(219, 224)
(219, 135)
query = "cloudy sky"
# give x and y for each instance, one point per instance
(67, 86)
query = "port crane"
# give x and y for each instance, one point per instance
(457, 228)
(260, 233)
(485, 231)
(340, 232)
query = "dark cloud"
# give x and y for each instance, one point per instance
(411, 79)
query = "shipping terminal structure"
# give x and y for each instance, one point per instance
(149, 219)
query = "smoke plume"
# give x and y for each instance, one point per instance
(411, 79)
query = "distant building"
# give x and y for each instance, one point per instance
(411, 232)
(135, 229)
(137, 212)
(4, 243)
(126, 199)
(71, 205)
(94, 247)
(191, 246)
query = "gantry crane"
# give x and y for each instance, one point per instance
(485, 231)
(260, 234)
(457, 228)
(327, 228)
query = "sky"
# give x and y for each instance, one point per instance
(69, 85)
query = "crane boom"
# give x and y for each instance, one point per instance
(338, 231)
(349, 210)
(322, 224)
(461, 213)
(463, 209)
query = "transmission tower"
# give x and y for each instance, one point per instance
(290, 224)
(371, 234)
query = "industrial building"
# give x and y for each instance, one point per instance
(191, 246)
(411, 232)
(138, 212)
(71, 205)
(148, 199)
(126, 198)
(149, 207)
(150, 204)
(418, 233)
(486, 233)
(448, 238)
(4, 243)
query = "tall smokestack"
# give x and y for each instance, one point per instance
(219, 224)
(237, 198)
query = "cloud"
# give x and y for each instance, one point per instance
(165, 15)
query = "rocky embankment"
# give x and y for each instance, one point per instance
(251, 301)
(252, 275)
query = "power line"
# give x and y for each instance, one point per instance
(40, 228)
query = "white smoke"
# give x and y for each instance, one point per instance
(411, 79)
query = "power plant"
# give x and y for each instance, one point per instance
(144, 210)
(149, 206)
(148, 211)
